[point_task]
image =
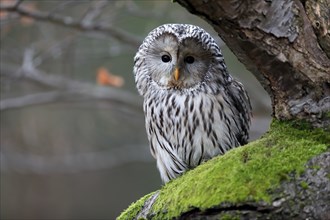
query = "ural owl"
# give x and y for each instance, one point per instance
(194, 109)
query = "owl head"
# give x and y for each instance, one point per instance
(177, 57)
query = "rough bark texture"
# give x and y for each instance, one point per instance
(285, 44)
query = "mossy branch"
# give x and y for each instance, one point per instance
(249, 179)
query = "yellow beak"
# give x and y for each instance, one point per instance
(176, 74)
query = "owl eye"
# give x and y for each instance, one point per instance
(166, 58)
(189, 59)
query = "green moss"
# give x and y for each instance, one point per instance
(229, 217)
(134, 208)
(327, 114)
(304, 185)
(246, 173)
(315, 167)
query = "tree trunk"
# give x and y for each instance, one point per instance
(286, 45)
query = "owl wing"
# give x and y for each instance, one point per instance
(241, 102)
(169, 163)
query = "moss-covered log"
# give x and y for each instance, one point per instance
(283, 175)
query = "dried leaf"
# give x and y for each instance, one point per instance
(105, 78)
(3, 15)
(27, 21)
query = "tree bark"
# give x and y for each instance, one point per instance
(285, 44)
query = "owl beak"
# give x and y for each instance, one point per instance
(176, 74)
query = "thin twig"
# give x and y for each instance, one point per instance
(17, 3)
(31, 99)
(93, 11)
(68, 89)
(67, 21)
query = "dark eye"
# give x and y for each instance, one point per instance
(189, 59)
(166, 58)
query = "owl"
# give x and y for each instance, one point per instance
(194, 109)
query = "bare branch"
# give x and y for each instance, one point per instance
(53, 48)
(135, 10)
(17, 3)
(93, 11)
(30, 100)
(68, 89)
(62, 5)
(10, 5)
(67, 21)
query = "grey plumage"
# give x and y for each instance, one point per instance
(194, 109)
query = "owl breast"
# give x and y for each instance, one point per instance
(186, 129)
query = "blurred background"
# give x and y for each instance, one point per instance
(73, 142)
